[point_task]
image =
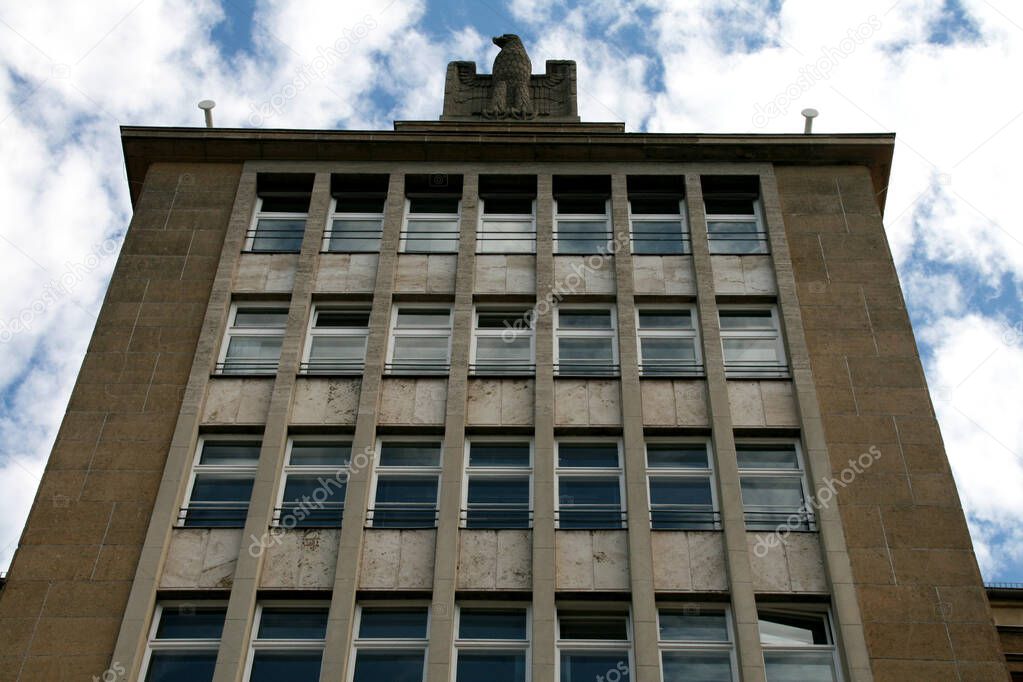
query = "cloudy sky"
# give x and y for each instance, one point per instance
(943, 74)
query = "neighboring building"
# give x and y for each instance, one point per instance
(1007, 606)
(320, 434)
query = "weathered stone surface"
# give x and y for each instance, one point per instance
(300, 559)
(397, 559)
(505, 274)
(495, 560)
(265, 272)
(425, 273)
(674, 402)
(201, 558)
(237, 401)
(762, 403)
(587, 402)
(346, 272)
(671, 275)
(592, 560)
(497, 402)
(325, 400)
(689, 561)
(584, 275)
(412, 401)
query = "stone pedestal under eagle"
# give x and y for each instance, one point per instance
(512, 92)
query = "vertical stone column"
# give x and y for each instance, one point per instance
(346, 574)
(726, 470)
(644, 606)
(234, 642)
(845, 607)
(131, 639)
(544, 566)
(442, 610)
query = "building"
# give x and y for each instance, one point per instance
(1007, 605)
(505, 395)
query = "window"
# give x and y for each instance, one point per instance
(657, 215)
(696, 644)
(314, 483)
(431, 213)
(498, 491)
(773, 486)
(798, 646)
(390, 644)
(502, 341)
(183, 642)
(221, 483)
(420, 340)
(507, 220)
(282, 206)
(253, 341)
(681, 486)
(585, 341)
(492, 644)
(336, 342)
(407, 483)
(356, 213)
(288, 644)
(592, 644)
(751, 342)
(589, 476)
(667, 342)
(582, 222)
(734, 221)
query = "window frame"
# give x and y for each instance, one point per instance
(216, 471)
(608, 240)
(224, 366)
(518, 369)
(313, 332)
(310, 470)
(253, 232)
(488, 645)
(805, 512)
(333, 214)
(760, 236)
(698, 368)
(823, 611)
(696, 646)
(777, 370)
(590, 472)
(614, 369)
(420, 368)
(408, 644)
(680, 473)
(155, 645)
(496, 473)
(481, 230)
(685, 236)
(256, 644)
(561, 645)
(409, 216)
(405, 471)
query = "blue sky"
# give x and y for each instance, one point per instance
(934, 71)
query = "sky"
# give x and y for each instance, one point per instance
(943, 74)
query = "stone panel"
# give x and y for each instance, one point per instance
(346, 273)
(685, 561)
(790, 564)
(505, 274)
(412, 401)
(425, 273)
(587, 402)
(265, 272)
(201, 558)
(495, 560)
(592, 559)
(321, 400)
(397, 559)
(237, 401)
(300, 559)
(584, 275)
(674, 402)
(671, 275)
(744, 275)
(500, 402)
(762, 403)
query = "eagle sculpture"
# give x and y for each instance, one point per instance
(510, 94)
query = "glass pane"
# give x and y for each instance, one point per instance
(506, 236)
(182, 666)
(512, 319)
(581, 204)
(342, 319)
(433, 205)
(291, 623)
(658, 237)
(584, 319)
(421, 349)
(315, 490)
(661, 350)
(788, 629)
(589, 502)
(337, 348)
(409, 455)
(392, 666)
(693, 491)
(348, 235)
(587, 454)
(261, 317)
(499, 454)
(432, 236)
(582, 236)
(487, 624)
(295, 203)
(666, 455)
(693, 625)
(655, 204)
(222, 488)
(354, 203)
(735, 237)
(772, 491)
(491, 666)
(593, 626)
(498, 349)
(392, 624)
(411, 318)
(312, 453)
(188, 622)
(229, 452)
(293, 666)
(498, 204)
(274, 234)
(746, 319)
(587, 666)
(398, 489)
(728, 205)
(665, 319)
(585, 352)
(697, 666)
(262, 350)
(767, 456)
(786, 666)
(750, 351)
(484, 490)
